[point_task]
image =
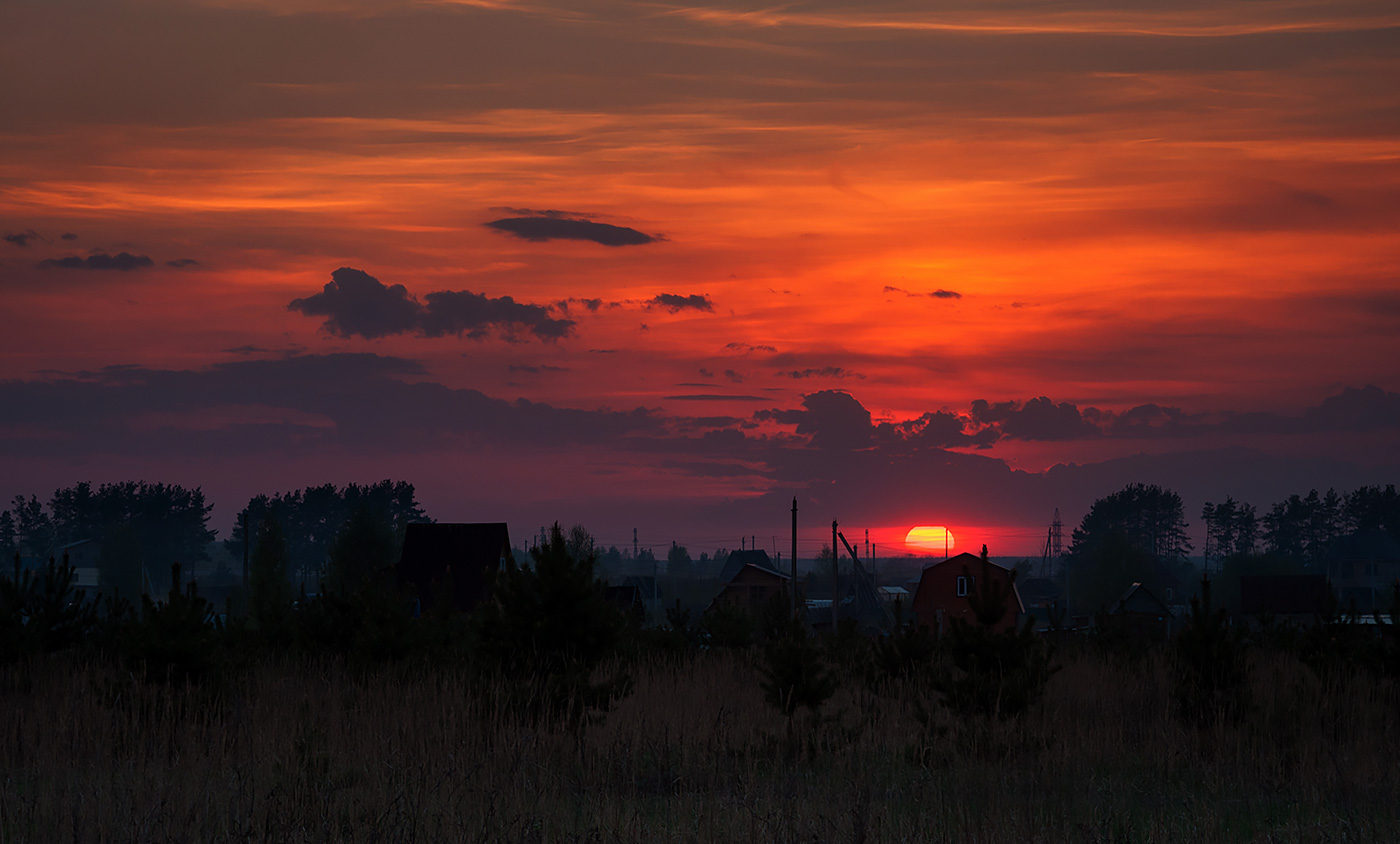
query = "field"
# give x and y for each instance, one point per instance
(300, 749)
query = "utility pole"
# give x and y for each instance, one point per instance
(634, 543)
(794, 556)
(835, 576)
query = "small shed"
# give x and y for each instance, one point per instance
(456, 559)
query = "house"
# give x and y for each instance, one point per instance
(628, 600)
(738, 559)
(455, 560)
(1141, 613)
(752, 587)
(1363, 568)
(945, 586)
(84, 556)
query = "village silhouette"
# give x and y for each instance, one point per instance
(334, 614)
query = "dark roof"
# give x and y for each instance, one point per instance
(965, 559)
(1139, 598)
(738, 559)
(471, 553)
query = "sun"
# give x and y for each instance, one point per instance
(933, 537)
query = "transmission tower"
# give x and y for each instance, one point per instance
(1050, 551)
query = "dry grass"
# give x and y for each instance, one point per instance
(315, 751)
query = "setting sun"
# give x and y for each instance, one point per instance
(935, 537)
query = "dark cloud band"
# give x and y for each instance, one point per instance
(560, 228)
(356, 303)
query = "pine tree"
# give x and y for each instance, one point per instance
(1209, 659)
(995, 673)
(547, 629)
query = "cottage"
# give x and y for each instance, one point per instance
(1363, 567)
(945, 586)
(1141, 613)
(752, 587)
(454, 560)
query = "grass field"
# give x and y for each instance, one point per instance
(304, 750)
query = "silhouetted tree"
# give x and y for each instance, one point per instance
(1232, 528)
(1304, 527)
(727, 626)
(1371, 507)
(119, 565)
(1100, 576)
(9, 536)
(270, 591)
(34, 529)
(176, 639)
(1211, 671)
(548, 628)
(363, 551)
(43, 612)
(678, 562)
(312, 517)
(794, 674)
(168, 522)
(1148, 515)
(994, 673)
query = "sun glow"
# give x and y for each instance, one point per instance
(932, 537)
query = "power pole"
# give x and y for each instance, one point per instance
(794, 556)
(835, 576)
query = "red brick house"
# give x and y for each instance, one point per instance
(944, 588)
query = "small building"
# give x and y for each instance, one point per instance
(1363, 568)
(1141, 613)
(752, 587)
(84, 556)
(738, 559)
(628, 600)
(945, 586)
(457, 560)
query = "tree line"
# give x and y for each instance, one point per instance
(1140, 534)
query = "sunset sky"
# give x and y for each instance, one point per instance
(640, 264)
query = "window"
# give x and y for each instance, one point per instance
(962, 586)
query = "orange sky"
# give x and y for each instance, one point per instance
(1195, 206)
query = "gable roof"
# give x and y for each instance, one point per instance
(1139, 598)
(471, 553)
(969, 560)
(964, 559)
(738, 559)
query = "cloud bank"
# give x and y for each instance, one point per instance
(356, 303)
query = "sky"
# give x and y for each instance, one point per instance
(655, 265)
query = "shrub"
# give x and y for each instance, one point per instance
(1211, 671)
(994, 673)
(548, 628)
